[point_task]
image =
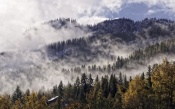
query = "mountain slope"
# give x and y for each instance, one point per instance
(134, 64)
(110, 39)
(110, 47)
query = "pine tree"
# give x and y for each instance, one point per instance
(125, 82)
(104, 86)
(142, 76)
(84, 82)
(112, 85)
(60, 89)
(130, 78)
(27, 92)
(55, 90)
(17, 94)
(120, 78)
(89, 83)
(76, 88)
(82, 95)
(149, 76)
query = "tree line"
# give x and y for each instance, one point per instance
(154, 89)
(116, 31)
(139, 57)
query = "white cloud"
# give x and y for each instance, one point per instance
(113, 5)
(91, 20)
(16, 15)
(151, 12)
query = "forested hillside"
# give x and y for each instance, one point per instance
(140, 57)
(152, 89)
(116, 64)
(110, 39)
(87, 54)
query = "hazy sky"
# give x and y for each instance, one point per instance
(18, 15)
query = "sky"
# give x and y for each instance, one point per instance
(18, 15)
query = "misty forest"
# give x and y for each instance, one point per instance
(114, 64)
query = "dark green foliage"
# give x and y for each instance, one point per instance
(125, 82)
(76, 88)
(104, 86)
(82, 95)
(60, 90)
(142, 76)
(89, 83)
(120, 81)
(27, 92)
(149, 76)
(112, 85)
(55, 90)
(17, 94)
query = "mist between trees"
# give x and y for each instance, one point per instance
(152, 89)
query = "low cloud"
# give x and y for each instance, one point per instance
(17, 16)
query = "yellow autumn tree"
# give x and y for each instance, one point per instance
(136, 96)
(42, 103)
(5, 102)
(18, 105)
(31, 102)
(163, 84)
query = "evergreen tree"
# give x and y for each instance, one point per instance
(60, 89)
(149, 76)
(17, 94)
(142, 76)
(82, 95)
(125, 82)
(55, 90)
(112, 85)
(89, 83)
(84, 81)
(104, 86)
(76, 88)
(27, 92)
(120, 78)
(130, 78)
